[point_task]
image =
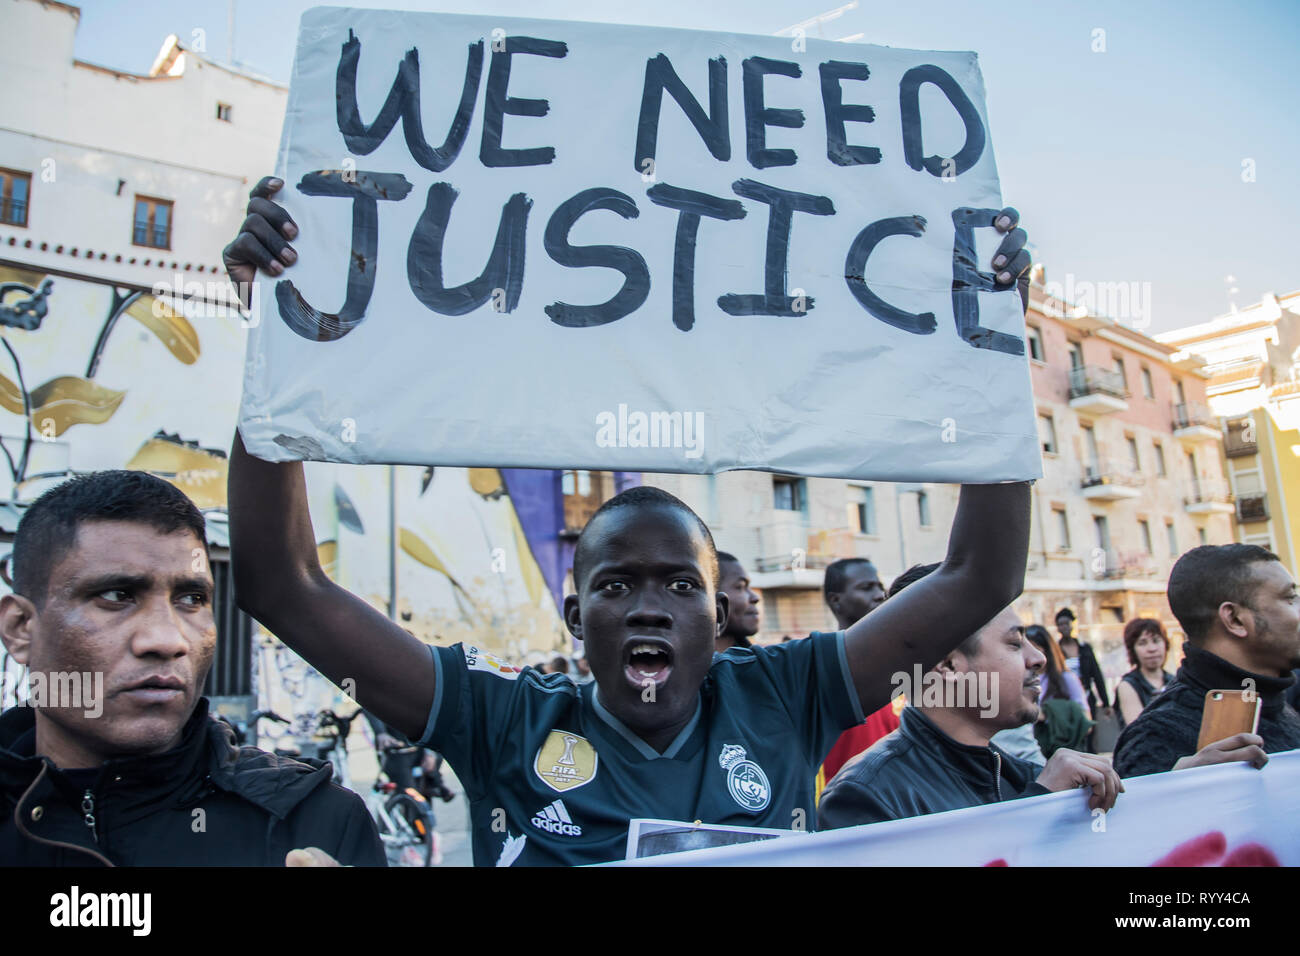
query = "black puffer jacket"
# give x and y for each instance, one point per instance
(206, 803)
(919, 769)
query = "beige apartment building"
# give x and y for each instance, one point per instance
(1253, 358)
(786, 530)
(1133, 472)
(1133, 476)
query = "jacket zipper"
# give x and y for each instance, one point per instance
(88, 808)
(22, 827)
(997, 774)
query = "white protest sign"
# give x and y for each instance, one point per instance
(1226, 815)
(534, 243)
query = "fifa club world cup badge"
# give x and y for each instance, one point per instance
(746, 781)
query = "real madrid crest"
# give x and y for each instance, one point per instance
(746, 781)
(565, 761)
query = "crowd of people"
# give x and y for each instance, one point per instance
(671, 712)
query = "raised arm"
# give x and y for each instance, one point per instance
(278, 578)
(983, 573)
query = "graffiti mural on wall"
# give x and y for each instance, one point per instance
(160, 393)
(51, 408)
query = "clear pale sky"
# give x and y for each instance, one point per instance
(1126, 164)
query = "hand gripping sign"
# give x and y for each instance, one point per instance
(535, 243)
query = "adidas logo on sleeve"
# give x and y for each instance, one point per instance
(555, 819)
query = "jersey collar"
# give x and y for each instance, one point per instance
(673, 750)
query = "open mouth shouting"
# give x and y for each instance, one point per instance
(647, 659)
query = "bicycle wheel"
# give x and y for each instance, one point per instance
(414, 842)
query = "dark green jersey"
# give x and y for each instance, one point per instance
(553, 778)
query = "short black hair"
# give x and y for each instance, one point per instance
(911, 576)
(641, 496)
(1064, 612)
(726, 556)
(837, 575)
(48, 529)
(970, 645)
(1206, 577)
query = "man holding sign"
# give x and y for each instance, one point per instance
(554, 771)
(667, 729)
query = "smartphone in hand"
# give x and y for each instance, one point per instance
(1228, 712)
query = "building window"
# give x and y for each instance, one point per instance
(582, 493)
(1119, 369)
(1179, 397)
(1047, 434)
(1035, 337)
(1093, 464)
(1148, 387)
(1062, 529)
(1160, 459)
(1135, 460)
(787, 493)
(923, 508)
(1200, 533)
(1144, 527)
(153, 223)
(223, 112)
(1076, 355)
(15, 189)
(1172, 535)
(862, 510)
(1102, 529)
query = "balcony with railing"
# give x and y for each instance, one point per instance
(1194, 421)
(1111, 480)
(1096, 390)
(1252, 507)
(1206, 496)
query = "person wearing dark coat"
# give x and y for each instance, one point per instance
(207, 802)
(1082, 660)
(940, 758)
(112, 757)
(1238, 606)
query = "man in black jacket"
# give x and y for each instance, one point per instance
(1240, 611)
(940, 758)
(113, 759)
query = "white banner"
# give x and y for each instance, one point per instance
(536, 243)
(1227, 815)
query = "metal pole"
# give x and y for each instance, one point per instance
(392, 542)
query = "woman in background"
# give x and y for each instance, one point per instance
(1064, 719)
(1148, 647)
(1058, 682)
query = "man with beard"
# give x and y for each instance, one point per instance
(940, 757)
(744, 617)
(1239, 608)
(668, 729)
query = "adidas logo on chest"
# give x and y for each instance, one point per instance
(554, 818)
